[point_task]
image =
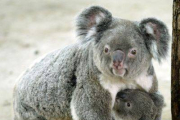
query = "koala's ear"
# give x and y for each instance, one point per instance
(92, 22)
(156, 37)
(157, 99)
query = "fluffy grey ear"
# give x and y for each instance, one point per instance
(145, 118)
(156, 37)
(157, 99)
(92, 22)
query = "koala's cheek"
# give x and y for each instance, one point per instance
(102, 63)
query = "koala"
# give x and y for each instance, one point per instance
(138, 105)
(82, 80)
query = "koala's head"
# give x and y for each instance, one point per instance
(137, 105)
(122, 48)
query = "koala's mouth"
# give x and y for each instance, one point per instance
(120, 72)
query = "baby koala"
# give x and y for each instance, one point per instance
(138, 105)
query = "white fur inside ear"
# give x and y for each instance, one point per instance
(73, 112)
(99, 17)
(91, 32)
(149, 29)
(154, 50)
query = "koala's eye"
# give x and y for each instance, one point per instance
(106, 50)
(133, 52)
(128, 104)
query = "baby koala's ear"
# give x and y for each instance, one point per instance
(156, 37)
(145, 118)
(92, 22)
(157, 99)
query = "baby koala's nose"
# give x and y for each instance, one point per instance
(121, 95)
(118, 57)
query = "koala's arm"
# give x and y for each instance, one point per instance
(90, 102)
(159, 103)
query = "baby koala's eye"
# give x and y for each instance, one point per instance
(128, 104)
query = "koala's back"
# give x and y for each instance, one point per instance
(46, 88)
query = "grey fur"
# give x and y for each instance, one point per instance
(71, 79)
(143, 106)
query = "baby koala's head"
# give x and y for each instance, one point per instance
(137, 105)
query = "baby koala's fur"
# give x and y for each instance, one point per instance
(138, 105)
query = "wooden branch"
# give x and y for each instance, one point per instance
(175, 65)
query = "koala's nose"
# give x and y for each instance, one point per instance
(118, 57)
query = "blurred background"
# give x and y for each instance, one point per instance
(30, 29)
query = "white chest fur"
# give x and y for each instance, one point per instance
(145, 81)
(113, 86)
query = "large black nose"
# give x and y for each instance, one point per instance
(121, 95)
(118, 57)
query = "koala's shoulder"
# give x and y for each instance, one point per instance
(56, 56)
(49, 64)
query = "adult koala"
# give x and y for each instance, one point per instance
(84, 78)
(137, 105)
